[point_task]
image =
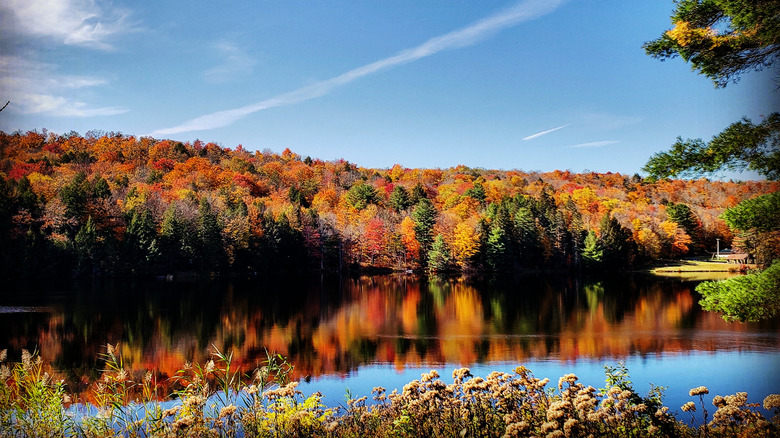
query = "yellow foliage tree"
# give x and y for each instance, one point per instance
(466, 241)
(677, 237)
(409, 238)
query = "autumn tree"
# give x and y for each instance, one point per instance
(466, 244)
(137, 207)
(375, 239)
(409, 239)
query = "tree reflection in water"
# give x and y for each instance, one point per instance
(333, 327)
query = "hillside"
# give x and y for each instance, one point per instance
(107, 204)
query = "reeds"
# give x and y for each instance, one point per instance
(216, 400)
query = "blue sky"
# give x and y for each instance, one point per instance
(531, 85)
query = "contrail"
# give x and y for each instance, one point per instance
(539, 134)
(463, 37)
(594, 144)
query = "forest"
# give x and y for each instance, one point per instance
(111, 205)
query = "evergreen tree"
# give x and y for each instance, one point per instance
(477, 192)
(400, 199)
(529, 244)
(418, 192)
(561, 239)
(178, 240)
(7, 210)
(440, 257)
(592, 253)
(546, 208)
(617, 244)
(577, 232)
(211, 251)
(424, 216)
(683, 215)
(295, 196)
(25, 197)
(283, 247)
(100, 188)
(361, 194)
(142, 248)
(75, 195)
(86, 247)
(497, 253)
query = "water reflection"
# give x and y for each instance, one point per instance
(333, 327)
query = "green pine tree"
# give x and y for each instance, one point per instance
(440, 256)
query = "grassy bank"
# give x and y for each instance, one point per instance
(216, 400)
(698, 269)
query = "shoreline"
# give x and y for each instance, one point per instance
(698, 266)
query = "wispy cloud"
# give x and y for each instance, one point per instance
(71, 22)
(465, 36)
(233, 62)
(539, 134)
(593, 144)
(36, 88)
(607, 121)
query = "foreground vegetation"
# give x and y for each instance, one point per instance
(752, 297)
(215, 399)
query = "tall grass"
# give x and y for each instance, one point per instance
(217, 400)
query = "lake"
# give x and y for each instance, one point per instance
(356, 333)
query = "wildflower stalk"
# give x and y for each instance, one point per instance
(218, 399)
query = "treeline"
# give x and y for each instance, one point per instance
(107, 204)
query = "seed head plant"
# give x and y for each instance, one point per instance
(216, 399)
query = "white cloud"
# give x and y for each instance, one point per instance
(594, 144)
(60, 106)
(71, 22)
(233, 62)
(465, 36)
(539, 134)
(35, 88)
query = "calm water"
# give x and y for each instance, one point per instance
(359, 333)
